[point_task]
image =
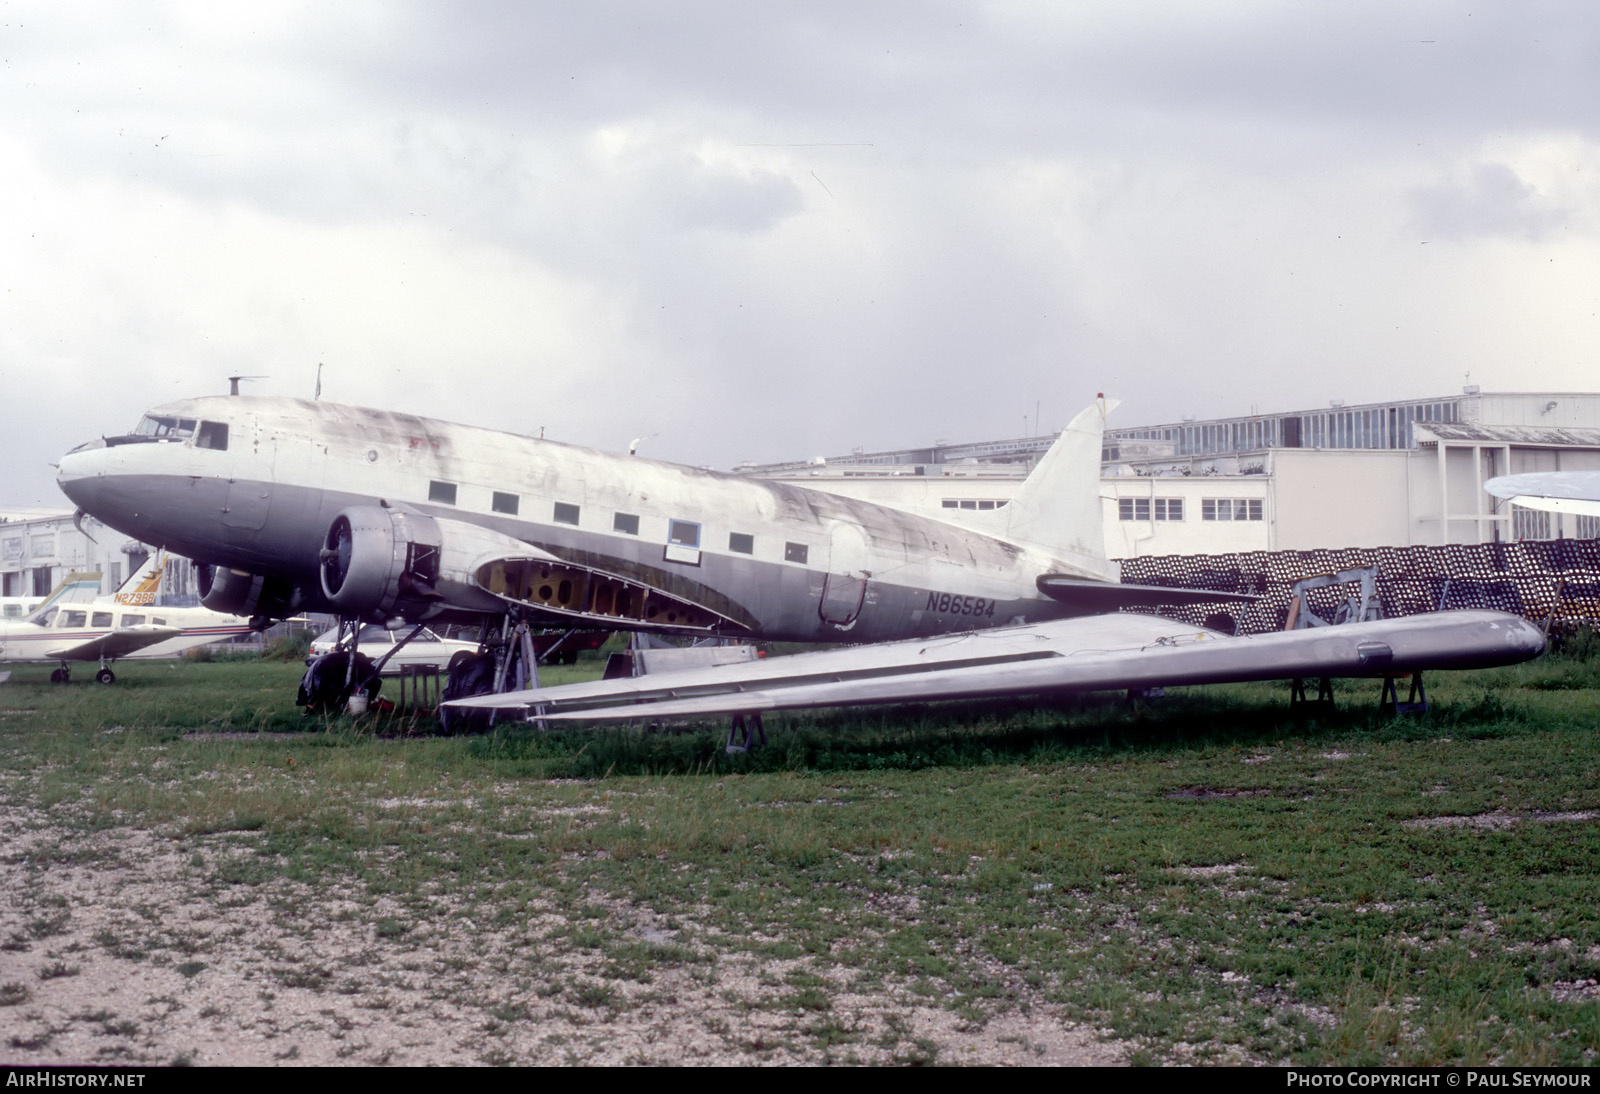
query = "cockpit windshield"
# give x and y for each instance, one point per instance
(159, 427)
(155, 425)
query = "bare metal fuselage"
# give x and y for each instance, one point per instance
(770, 560)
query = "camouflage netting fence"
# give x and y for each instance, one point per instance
(1557, 579)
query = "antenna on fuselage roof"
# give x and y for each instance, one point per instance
(318, 393)
(233, 382)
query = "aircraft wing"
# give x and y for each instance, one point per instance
(1553, 491)
(1084, 654)
(116, 644)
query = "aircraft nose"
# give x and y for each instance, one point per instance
(81, 475)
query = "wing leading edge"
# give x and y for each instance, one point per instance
(1087, 654)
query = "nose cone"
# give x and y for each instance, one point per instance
(77, 471)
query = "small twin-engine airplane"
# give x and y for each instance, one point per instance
(379, 517)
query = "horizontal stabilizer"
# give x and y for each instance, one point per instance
(1091, 654)
(1095, 597)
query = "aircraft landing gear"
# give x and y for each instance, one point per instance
(106, 676)
(62, 675)
(506, 661)
(331, 679)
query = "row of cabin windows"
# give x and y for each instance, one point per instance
(683, 533)
(58, 617)
(973, 503)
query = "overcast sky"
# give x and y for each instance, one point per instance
(770, 231)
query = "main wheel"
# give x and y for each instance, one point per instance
(106, 676)
(59, 676)
(470, 674)
(324, 688)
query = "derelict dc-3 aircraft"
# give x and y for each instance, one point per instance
(309, 506)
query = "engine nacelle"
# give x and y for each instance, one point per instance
(380, 563)
(238, 592)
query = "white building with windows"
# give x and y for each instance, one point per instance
(37, 552)
(1379, 474)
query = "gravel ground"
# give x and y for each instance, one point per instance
(122, 946)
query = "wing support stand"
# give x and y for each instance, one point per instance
(1299, 701)
(740, 733)
(1389, 702)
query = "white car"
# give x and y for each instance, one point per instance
(375, 640)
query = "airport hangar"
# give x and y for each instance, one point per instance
(1376, 475)
(1395, 474)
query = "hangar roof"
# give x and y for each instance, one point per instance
(1530, 435)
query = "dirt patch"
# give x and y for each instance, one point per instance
(1201, 793)
(1498, 819)
(127, 946)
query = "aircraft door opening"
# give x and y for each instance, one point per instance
(845, 587)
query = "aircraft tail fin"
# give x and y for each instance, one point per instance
(143, 584)
(78, 587)
(1058, 508)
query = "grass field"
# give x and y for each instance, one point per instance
(197, 872)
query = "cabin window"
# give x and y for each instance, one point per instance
(505, 503)
(47, 617)
(950, 503)
(684, 533)
(626, 523)
(742, 542)
(100, 619)
(74, 619)
(566, 514)
(212, 435)
(795, 552)
(442, 492)
(133, 621)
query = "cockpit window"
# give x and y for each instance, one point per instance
(213, 435)
(156, 425)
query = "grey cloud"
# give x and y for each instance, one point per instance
(1490, 201)
(714, 200)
